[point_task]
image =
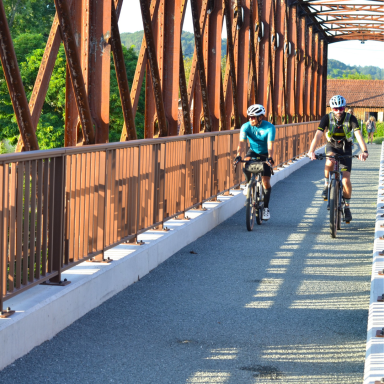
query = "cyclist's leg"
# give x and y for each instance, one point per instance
(267, 189)
(347, 185)
(346, 168)
(330, 151)
(266, 180)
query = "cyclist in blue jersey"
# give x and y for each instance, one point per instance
(261, 136)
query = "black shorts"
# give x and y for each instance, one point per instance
(261, 157)
(346, 163)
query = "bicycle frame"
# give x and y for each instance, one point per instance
(338, 176)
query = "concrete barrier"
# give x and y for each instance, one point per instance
(43, 311)
(374, 359)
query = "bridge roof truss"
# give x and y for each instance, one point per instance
(342, 20)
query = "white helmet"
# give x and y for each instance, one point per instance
(256, 110)
(337, 102)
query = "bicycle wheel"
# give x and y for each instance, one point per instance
(259, 204)
(249, 209)
(341, 205)
(334, 207)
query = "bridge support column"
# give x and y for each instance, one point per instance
(291, 68)
(300, 73)
(264, 75)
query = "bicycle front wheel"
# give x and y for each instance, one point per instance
(250, 209)
(334, 207)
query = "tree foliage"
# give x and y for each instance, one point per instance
(29, 16)
(339, 70)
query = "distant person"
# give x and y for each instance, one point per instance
(350, 111)
(341, 128)
(371, 128)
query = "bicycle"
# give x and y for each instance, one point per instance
(335, 193)
(254, 204)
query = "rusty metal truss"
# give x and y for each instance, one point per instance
(343, 20)
(276, 56)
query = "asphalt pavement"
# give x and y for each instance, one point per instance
(284, 303)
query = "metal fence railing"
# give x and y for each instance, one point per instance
(64, 206)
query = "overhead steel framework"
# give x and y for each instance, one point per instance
(347, 19)
(276, 56)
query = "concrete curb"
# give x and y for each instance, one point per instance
(42, 311)
(374, 359)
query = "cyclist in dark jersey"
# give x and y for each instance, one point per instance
(261, 135)
(341, 127)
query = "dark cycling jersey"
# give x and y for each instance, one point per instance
(339, 131)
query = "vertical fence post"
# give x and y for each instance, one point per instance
(57, 189)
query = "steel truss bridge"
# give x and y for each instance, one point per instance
(276, 56)
(61, 207)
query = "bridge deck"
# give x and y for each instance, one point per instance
(285, 301)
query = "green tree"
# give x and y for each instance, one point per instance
(29, 16)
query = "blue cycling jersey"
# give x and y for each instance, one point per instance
(258, 136)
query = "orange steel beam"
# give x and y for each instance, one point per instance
(79, 13)
(315, 63)
(326, 2)
(230, 97)
(279, 67)
(264, 56)
(171, 66)
(140, 67)
(356, 28)
(99, 66)
(214, 63)
(202, 118)
(301, 70)
(77, 79)
(291, 64)
(129, 129)
(357, 36)
(154, 69)
(243, 62)
(252, 80)
(271, 113)
(186, 126)
(322, 76)
(193, 73)
(308, 72)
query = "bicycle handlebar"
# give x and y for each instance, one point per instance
(336, 157)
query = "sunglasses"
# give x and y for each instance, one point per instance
(339, 109)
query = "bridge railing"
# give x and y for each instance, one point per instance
(64, 206)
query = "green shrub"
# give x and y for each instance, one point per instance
(6, 147)
(379, 130)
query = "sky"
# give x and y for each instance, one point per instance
(371, 53)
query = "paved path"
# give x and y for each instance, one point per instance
(285, 303)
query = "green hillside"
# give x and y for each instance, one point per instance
(187, 42)
(339, 70)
